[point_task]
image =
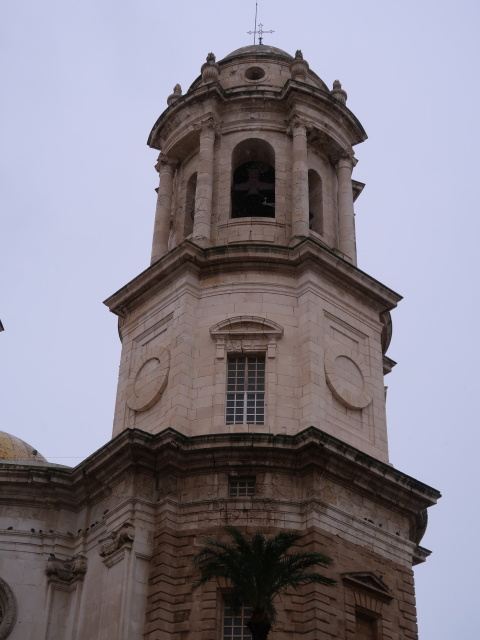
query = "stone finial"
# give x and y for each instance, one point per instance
(299, 67)
(338, 93)
(177, 93)
(210, 69)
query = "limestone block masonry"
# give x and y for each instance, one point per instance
(253, 355)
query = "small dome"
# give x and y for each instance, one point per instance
(258, 49)
(13, 449)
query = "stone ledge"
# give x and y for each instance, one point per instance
(308, 253)
(135, 452)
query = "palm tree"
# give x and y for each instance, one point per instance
(258, 570)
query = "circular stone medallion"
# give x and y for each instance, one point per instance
(348, 377)
(149, 378)
(8, 609)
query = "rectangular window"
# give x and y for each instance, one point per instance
(365, 626)
(235, 626)
(241, 487)
(246, 390)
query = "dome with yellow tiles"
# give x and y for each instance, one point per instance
(12, 449)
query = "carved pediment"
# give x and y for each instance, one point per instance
(248, 326)
(246, 334)
(368, 581)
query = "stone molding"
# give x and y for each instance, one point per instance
(9, 606)
(67, 571)
(246, 334)
(135, 451)
(120, 539)
(166, 125)
(228, 257)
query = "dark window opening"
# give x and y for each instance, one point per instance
(253, 191)
(190, 205)
(241, 487)
(315, 201)
(245, 390)
(365, 626)
(254, 73)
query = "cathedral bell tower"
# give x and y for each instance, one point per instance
(254, 354)
(254, 265)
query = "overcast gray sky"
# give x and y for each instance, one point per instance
(83, 83)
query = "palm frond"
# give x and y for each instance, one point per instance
(259, 568)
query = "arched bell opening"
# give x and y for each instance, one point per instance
(190, 205)
(253, 179)
(315, 201)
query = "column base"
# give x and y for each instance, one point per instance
(202, 241)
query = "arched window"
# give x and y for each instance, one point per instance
(253, 179)
(315, 201)
(190, 205)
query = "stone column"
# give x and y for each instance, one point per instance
(203, 198)
(300, 215)
(161, 229)
(346, 219)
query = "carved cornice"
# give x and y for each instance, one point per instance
(420, 555)
(320, 99)
(66, 571)
(137, 452)
(122, 537)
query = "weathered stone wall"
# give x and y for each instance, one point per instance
(104, 550)
(174, 612)
(323, 363)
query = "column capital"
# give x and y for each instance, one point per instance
(164, 163)
(344, 158)
(206, 126)
(298, 126)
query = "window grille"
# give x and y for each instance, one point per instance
(235, 626)
(241, 488)
(246, 390)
